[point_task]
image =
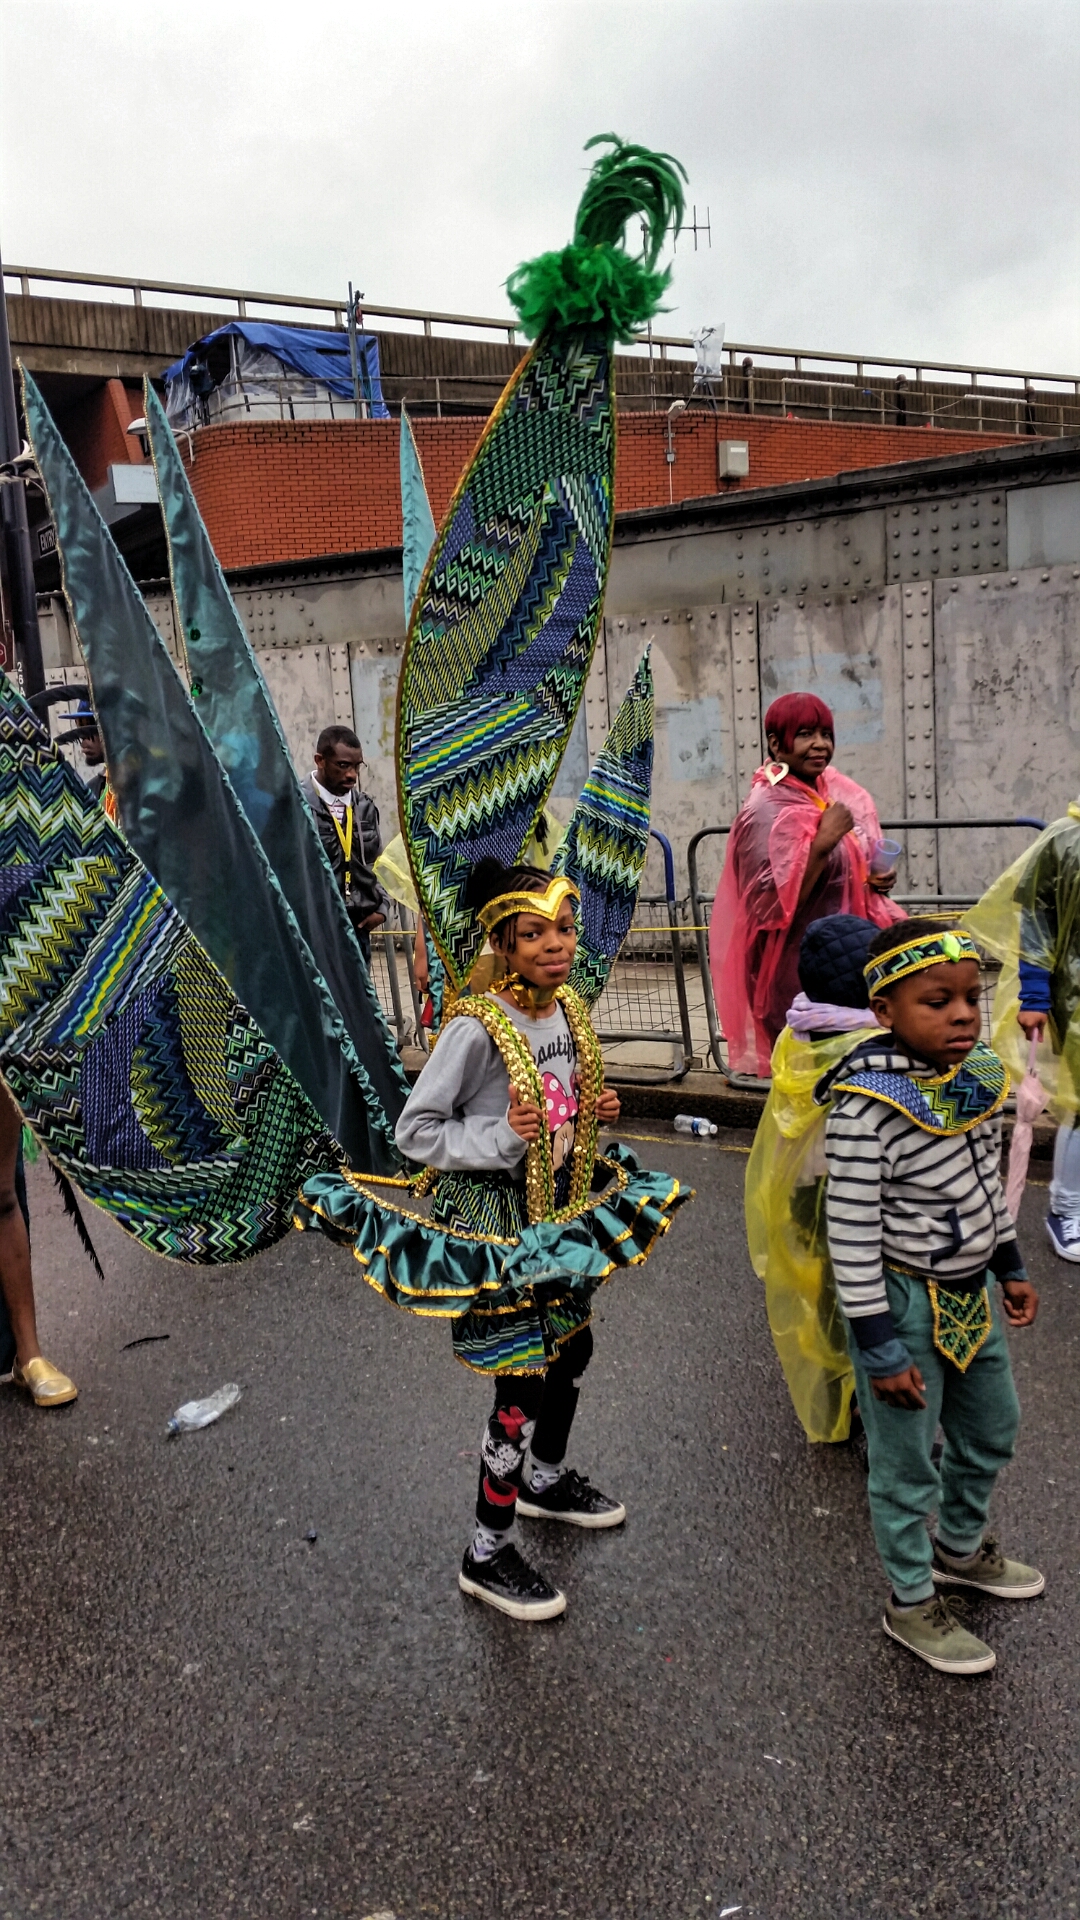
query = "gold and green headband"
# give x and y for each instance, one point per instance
(546, 904)
(886, 968)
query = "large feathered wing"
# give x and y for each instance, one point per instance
(241, 723)
(417, 521)
(181, 815)
(505, 620)
(145, 1080)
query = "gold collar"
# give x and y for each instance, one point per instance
(525, 995)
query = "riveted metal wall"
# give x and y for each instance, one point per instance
(1007, 680)
(374, 668)
(960, 533)
(953, 677)
(162, 610)
(919, 870)
(1044, 526)
(844, 649)
(811, 556)
(788, 557)
(334, 610)
(746, 689)
(695, 766)
(301, 686)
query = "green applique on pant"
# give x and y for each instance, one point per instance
(962, 1323)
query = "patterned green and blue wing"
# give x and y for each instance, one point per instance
(607, 840)
(503, 629)
(144, 1078)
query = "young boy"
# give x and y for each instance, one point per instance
(917, 1227)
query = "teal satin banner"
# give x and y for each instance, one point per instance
(240, 719)
(418, 526)
(181, 816)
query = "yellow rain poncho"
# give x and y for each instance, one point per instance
(785, 1228)
(1032, 913)
(393, 872)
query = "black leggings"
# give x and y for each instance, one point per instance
(534, 1410)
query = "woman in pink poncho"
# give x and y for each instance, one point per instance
(800, 848)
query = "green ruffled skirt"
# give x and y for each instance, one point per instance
(512, 1291)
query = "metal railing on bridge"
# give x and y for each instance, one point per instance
(809, 382)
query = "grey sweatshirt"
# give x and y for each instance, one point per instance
(455, 1117)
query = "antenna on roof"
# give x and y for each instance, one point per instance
(356, 318)
(693, 225)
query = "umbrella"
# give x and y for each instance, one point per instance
(1030, 1101)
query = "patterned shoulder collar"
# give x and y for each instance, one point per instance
(949, 1103)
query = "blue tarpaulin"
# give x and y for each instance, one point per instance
(318, 353)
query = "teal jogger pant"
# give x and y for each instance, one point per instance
(979, 1414)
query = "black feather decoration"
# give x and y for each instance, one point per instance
(71, 1208)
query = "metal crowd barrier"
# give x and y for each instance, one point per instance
(700, 908)
(390, 945)
(645, 997)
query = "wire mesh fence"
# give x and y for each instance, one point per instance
(393, 976)
(642, 1018)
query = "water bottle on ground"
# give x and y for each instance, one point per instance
(203, 1413)
(689, 1123)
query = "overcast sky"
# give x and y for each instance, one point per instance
(884, 176)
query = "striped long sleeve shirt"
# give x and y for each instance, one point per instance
(933, 1202)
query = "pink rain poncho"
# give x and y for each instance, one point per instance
(757, 923)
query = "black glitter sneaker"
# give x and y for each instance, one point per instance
(572, 1499)
(508, 1582)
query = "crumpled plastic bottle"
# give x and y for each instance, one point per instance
(689, 1123)
(202, 1413)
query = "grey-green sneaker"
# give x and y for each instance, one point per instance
(934, 1632)
(989, 1571)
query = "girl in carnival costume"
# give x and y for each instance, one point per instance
(505, 1116)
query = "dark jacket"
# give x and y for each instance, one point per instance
(364, 896)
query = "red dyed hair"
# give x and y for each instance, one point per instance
(793, 713)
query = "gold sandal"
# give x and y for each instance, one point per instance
(47, 1386)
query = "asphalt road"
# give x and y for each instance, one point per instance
(204, 1714)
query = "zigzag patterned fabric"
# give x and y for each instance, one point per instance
(503, 629)
(127, 1052)
(607, 840)
(973, 1091)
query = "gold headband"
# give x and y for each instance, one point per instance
(546, 904)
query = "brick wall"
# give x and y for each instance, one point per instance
(290, 490)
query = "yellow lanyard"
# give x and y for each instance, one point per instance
(346, 841)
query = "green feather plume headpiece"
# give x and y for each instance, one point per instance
(595, 281)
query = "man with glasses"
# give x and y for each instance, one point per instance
(348, 824)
